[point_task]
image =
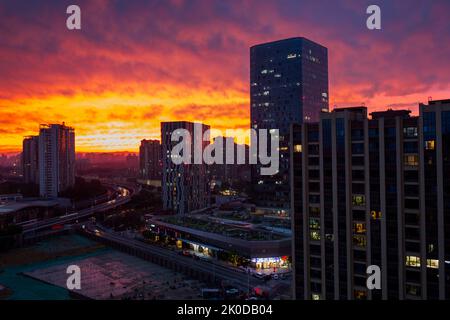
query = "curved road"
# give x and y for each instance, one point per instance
(123, 196)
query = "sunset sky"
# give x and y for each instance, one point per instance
(137, 63)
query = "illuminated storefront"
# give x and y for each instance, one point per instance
(270, 263)
(198, 249)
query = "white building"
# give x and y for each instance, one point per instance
(56, 159)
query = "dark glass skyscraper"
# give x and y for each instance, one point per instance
(288, 83)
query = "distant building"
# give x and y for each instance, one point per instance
(185, 186)
(3, 160)
(132, 164)
(372, 192)
(232, 171)
(150, 164)
(82, 164)
(21, 211)
(288, 84)
(56, 159)
(30, 159)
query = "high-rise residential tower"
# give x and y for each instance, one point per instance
(56, 159)
(288, 84)
(372, 192)
(30, 159)
(150, 165)
(185, 186)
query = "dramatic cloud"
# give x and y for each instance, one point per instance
(137, 63)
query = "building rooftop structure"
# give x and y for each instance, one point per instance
(390, 113)
(17, 206)
(252, 243)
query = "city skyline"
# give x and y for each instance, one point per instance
(197, 150)
(165, 67)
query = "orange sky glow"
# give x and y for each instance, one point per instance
(119, 77)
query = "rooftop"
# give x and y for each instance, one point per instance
(17, 206)
(435, 102)
(361, 109)
(390, 113)
(223, 229)
(285, 40)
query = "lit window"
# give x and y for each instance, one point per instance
(359, 200)
(264, 71)
(412, 261)
(376, 215)
(429, 145)
(411, 160)
(360, 294)
(291, 56)
(359, 241)
(314, 223)
(410, 132)
(432, 263)
(314, 235)
(298, 148)
(359, 227)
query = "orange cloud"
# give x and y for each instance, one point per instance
(137, 63)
